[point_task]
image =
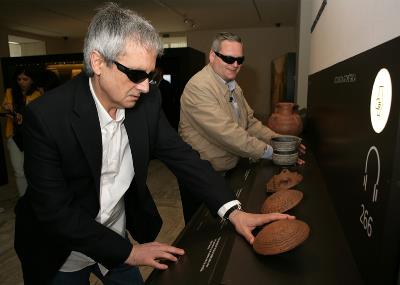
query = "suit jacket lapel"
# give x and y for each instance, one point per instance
(85, 122)
(136, 128)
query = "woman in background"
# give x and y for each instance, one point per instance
(23, 91)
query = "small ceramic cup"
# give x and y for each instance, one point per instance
(285, 158)
(285, 143)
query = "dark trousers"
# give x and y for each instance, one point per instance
(121, 275)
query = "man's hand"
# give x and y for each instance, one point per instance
(244, 222)
(18, 118)
(8, 107)
(302, 151)
(150, 253)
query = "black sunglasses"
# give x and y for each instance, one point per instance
(230, 59)
(136, 76)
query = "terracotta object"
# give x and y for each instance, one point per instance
(285, 119)
(284, 180)
(281, 236)
(281, 201)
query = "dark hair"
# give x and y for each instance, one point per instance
(18, 98)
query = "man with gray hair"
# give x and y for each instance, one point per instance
(87, 149)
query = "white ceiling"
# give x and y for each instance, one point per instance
(70, 18)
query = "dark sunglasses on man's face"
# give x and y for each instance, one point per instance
(136, 76)
(230, 59)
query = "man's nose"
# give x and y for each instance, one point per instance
(143, 86)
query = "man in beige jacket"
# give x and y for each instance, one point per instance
(215, 118)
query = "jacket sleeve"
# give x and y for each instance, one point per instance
(207, 117)
(256, 128)
(196, 174)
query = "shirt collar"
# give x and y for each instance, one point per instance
(231, 85)
(104, 117)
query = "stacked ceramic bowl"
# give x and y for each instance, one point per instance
(285, 150)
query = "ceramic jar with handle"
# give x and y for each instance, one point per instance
(285, 119)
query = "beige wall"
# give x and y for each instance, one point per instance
(53, 45)
(35, 48)
(260, 47)
(60, 46)
(347, 28)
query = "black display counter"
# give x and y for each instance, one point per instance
(215, 254)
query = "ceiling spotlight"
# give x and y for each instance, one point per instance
(189, 22)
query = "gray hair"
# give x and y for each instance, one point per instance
(224, 36)
(111, 28)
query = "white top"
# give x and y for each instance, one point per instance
(117, 172)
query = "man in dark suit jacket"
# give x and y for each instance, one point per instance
(87, 148)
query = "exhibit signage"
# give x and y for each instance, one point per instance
(354, 122)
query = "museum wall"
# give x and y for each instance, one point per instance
(347, 28)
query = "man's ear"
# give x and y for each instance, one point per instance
(97, 62)
(211, 56)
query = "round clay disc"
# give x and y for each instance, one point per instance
(281, 236)
(281, 201)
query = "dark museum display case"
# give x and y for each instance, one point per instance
(353, 112)
(283, 74)
(179, 65)
(51, 70)
(216, 254)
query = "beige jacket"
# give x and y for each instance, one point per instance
(208, 122)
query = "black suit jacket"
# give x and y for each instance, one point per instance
(63, 157)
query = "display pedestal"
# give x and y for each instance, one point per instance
(216, 254)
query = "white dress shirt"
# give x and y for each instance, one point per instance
(117, 172)
(232, 98)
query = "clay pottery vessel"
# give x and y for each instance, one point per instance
(284, 180)
(281, 236)
(285, 119)
(285, 143)
(281, 201)
(285, 158)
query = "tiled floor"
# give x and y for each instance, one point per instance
(164, 189)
